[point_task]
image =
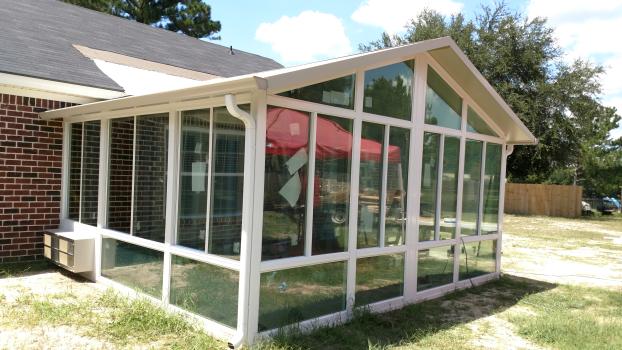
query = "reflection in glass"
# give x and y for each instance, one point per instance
(478, 258)
(449, 191)
(133, 266)
(120, 176)
(75, 166)
(286, 171)
(204, 289)
(471, 187)
(475, 123)
(379, 278)
(370, 185)
(337, 92)
(397, 186)
(435, 267)
(388, 90)
(293, 295)
(492, 178)
(429, 180)
(333, 154)
(150, 176)
(90, 173)
(443, 106)
(194, 164)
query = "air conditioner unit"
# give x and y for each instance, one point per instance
(73, 251)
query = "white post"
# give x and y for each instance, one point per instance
(461, 160)
(102, 191)
(171, 201)
(504, 155)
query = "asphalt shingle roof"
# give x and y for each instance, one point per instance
(36, 38)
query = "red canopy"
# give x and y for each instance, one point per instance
(288, 131)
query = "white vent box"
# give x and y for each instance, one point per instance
(73, 251)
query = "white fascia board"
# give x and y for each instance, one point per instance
(43, 86)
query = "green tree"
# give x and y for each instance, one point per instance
(558, 101)
(191, 17)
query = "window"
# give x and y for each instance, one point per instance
(475, 123)
(397, 186)
(435, 267)
(204, 289)
(478, 258)
(84, 172)
(429, 182)
(443, 106)
(120, 175)
(492, 178)
(471, 188)
(379, 278)
(370, 184)
(337, 92)
(449, 191)
(388, 90)
(133, 266)
(293, 295)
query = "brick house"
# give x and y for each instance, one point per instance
(70, 56)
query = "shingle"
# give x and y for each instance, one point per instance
(36, 38)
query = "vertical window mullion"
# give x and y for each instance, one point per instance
(81, 174)
(383, 191)
(210, 172)
(132, 196)
(482, 180)
(310, 184)
(439, 189)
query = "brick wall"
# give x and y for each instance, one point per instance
(30, 175)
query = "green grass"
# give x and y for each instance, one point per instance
(24, 268)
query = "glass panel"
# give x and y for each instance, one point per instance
(90, 172)
(227, 185)
(204, 289)
(443, 106)
(150, 176)
(429, 180)
(75, 166)
(195, 136)
(449, 191)
(337, 92)
(397, 186)
(475, 123)
(388, 90)
(435, 267)
(478, 258)
(471, 187)
(379, 278)
(287, 149)
(294, 295)
(492, 178)
(370, 185)
(120, 176)
(331, 200)
(133, 266)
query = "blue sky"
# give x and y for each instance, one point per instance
(294, 32)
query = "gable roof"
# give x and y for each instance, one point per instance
(443, 50)
(37, 38)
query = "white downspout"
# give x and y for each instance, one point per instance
(247, 208)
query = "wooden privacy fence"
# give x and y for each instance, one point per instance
(547, 200)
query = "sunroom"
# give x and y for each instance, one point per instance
(294, 196)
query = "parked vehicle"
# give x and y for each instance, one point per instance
(606, 206)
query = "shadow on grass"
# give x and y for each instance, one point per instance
(414, 325)
(21, 269)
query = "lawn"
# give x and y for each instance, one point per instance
(561, 289)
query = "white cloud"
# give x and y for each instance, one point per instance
(588, 30)
(393, 15)
(310, 36)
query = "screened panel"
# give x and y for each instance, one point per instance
(120, 174)
(397, 186)
(370, 185)
(475, 123)
(478, 258)
(443, 106)
(293, 295)
(331, 199)
(388, 90)
(150, 176)
(90, 173)
(492, 179)
(379, 278)
(75, 172)
(206, 290)
(337, 92)
(193, 178)
(429, 183)
(435, 267)
(133, 266)
(286, 172)
(471, 187)
(449, 191)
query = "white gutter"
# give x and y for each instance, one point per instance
(247, 208)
